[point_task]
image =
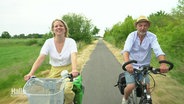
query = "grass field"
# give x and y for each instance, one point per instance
(17, 57)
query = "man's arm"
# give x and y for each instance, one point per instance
(129, 67)
(126, 56)
(163, 66)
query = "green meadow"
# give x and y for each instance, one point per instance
(17, 57)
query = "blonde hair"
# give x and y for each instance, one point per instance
(65, 25)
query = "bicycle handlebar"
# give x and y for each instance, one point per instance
(150, 68)
(171, 65)
(38, 81)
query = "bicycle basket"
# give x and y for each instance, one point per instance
(48, 92)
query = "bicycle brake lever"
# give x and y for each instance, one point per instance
(70, 77)
(157, 71)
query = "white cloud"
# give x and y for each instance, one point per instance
(35, 16)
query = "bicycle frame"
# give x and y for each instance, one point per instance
(133, 99)
(144, 94)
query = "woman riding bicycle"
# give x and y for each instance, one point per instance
(62, 52)
(138, 46)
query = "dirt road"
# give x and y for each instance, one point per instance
(99, 77)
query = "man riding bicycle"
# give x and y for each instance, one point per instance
(138, 46)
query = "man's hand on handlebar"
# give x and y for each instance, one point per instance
(164, 68)
(130, 68)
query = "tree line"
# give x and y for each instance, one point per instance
(6, 35)
(80, 29)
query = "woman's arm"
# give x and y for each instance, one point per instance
(75, 72)
(35, 66)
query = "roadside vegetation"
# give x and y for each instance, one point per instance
(16, 60)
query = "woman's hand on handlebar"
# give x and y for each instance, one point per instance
(75, 73)
(27, 77)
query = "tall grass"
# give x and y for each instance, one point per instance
(17, 57)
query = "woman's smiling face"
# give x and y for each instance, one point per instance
(59, 28)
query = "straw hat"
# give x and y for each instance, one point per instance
(142, 19)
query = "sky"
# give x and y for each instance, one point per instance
(35, 16)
